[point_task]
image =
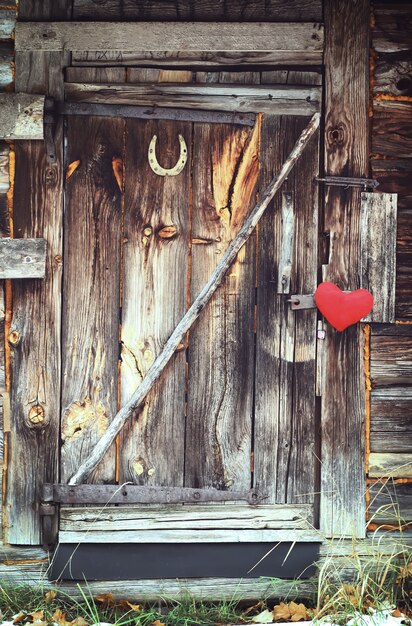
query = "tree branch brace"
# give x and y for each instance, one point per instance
(195, 309)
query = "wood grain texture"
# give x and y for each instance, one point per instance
(393, 73)
(390, 502)
(392, 134)
(178, 58)
(36, 318)
(392, 27)
(286, 341)
(389, 464)
(394, 176)
(6, 65)
(221, 346)
(22, 258)
(151, 36)
(378, 253)
(202, 10)
(155, 279)
(346, 154)
(22, 116)
(44, 10)
(279, 99)
(93, 231)
(191, 517)
(391, 360)
(7, 22)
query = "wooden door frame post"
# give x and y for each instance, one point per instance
(346, 154)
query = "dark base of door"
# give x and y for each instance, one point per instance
(198, 560)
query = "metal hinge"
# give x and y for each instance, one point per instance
(49, 126)
(347, 181)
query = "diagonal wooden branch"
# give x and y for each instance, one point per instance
(194, 311)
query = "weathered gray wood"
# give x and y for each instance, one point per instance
(390, 419)
(287, 243)
(21, 116)
(4, 167)
(7, 22)
(197, 516)
(39, 10)
(195, 59)
(393, 74)
(151, 36)
(392, 27)
(6, 64)
(391, 360)
(197, 306)
(90, 331)
(390, 464)
(36, 319)
(280, 100)
(201, 10)
(378, 253)
(346, 154)
(22, 258)
(390, 502)
(392, 129)
(221, 346)
(188, 536)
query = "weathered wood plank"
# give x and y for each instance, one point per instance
(7, 22)
(172, 517)
(394, 176)
(154, 299)
(279, 100)
(202, 10)
(221, 346)
(93, 223)
(399, 329)
(22, 116)
(178, 58)
(390, 502)
(392, 27)
(390, 464)
(378, 253)
(4, 167)
(392, 129)
(287, 242)
(22, 258)
(6, 65)
(36, 317)
(391, 360)
(151, 36)
(39, 10)
(346, 154)
(284, 456)
(188, 536)
(393, 73)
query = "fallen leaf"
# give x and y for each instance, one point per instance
(157, 622)
(265, 617)
(79, 621)
(397, 613)
(135, 607)
(281, 612)
(49, 596)
(59, 618)
(105, 598)
(297, 612)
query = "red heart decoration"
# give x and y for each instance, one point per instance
(342, 309)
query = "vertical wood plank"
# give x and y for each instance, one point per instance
(91, 296)
(346, 154)
(221, 346)
(156, 228)
(285, 420)
(36, 320)
(378, 253)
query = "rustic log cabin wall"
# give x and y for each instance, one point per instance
(387, 347)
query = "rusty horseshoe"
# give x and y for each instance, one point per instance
(154, 163)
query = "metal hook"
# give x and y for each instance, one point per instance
(158, 169)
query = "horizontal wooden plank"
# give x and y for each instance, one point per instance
(394, 176)
(22, 116)
(392, 128)
(278, 100)
(201, 10)
(392, 27)
(151, 36)
(392, 393)
(391, 360)
(392, 330)
(388, 464)
(22, 258)
(6, 64)
(179, 517)
(7, 22)
(393, 74)
(188, 536)
(390, 502)
(179, 58)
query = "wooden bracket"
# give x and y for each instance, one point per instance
(348, 181)
(22, 258)
(302, 301)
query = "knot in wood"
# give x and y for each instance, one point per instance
(51, 175)
(336, 135)
(14, 338)
(36, 414)
(167, 232)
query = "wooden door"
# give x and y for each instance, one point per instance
(236, 407)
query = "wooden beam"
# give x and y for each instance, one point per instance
(278, 100)
(378, 253)
(22, 258)
(156, 36)
(21, 116)
(196, 308)
(390, 464)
